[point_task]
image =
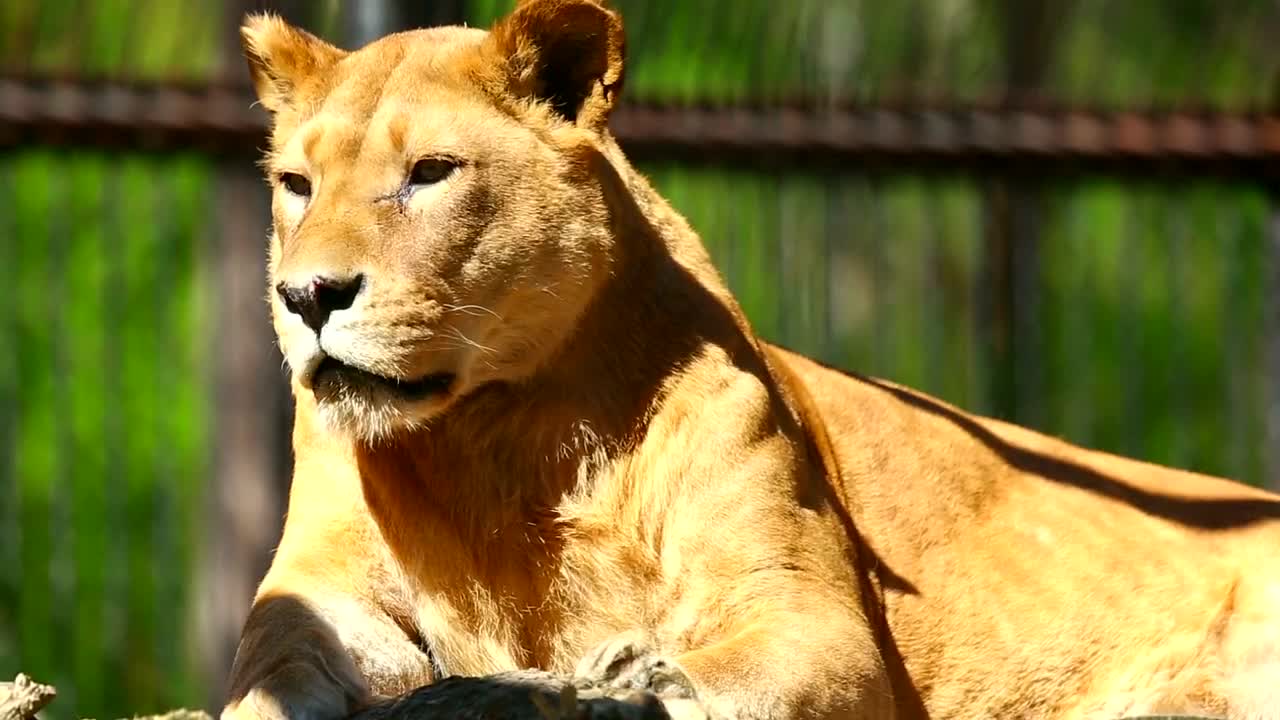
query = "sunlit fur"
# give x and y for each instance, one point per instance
(620, 453)
(480, 274)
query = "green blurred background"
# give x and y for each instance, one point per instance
(1145, 319)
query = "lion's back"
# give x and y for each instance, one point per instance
(987, 536)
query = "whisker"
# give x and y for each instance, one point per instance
(457, 334)
(472, 310)
(445, 348)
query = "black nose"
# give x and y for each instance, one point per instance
(320, 297)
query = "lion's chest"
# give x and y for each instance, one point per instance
(598, 569)
(553, 585)
(547, 617)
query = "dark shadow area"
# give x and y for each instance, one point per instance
(1201, 513)
(868, 564)
(517, 695)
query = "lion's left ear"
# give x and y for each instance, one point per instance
(568, 53)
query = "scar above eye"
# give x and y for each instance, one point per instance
(399, 196)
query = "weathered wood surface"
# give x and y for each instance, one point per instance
(23, 698)
(521, 695)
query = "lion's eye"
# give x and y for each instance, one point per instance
(296, 184)
(430, 170)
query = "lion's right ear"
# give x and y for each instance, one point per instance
(566, 53)
(281, 58)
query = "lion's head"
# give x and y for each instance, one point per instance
(436, 221)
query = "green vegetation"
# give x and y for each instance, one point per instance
(1148, 337)
(109, 413)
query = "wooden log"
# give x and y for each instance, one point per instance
(182, 714)
(519, 695)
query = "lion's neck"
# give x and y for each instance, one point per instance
(504, 458)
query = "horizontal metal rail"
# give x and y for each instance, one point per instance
(222, 119)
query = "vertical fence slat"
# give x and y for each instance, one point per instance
(1080, 328)
(201, 350)
(783, 241)
(135, 411)
(10, 492)
(23, 36)
(1027, 209)
(1130, 326)
(1179, 291)
(1234, 367)
(1010, 317)
(835, 238)
(882, 277)
(1273, 337)
(124, 63)
(115, 556)
(164, 528)
(995, 307)
(983, 298)
(366, 21)
(730, 218)
(33, 448)
(61, 495)
(82, 332)
(246, 500)
(933, 342)
(415, 13)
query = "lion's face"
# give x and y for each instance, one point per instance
(436, 224)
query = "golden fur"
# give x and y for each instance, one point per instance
(609, 452)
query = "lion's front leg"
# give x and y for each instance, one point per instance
(291, 665)
(308, 659)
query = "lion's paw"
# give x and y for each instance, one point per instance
(629, 662)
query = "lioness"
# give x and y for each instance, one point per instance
(534, 430)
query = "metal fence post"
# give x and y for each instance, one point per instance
(1014, 210)
(368, 20)
(251, 457)
(417, 13)
(246, 502)
(1272, 454)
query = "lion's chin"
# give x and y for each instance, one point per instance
(334, 377)
(374, 408)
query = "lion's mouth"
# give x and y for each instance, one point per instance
(335, 374)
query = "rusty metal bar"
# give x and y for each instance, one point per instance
(220, 119)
